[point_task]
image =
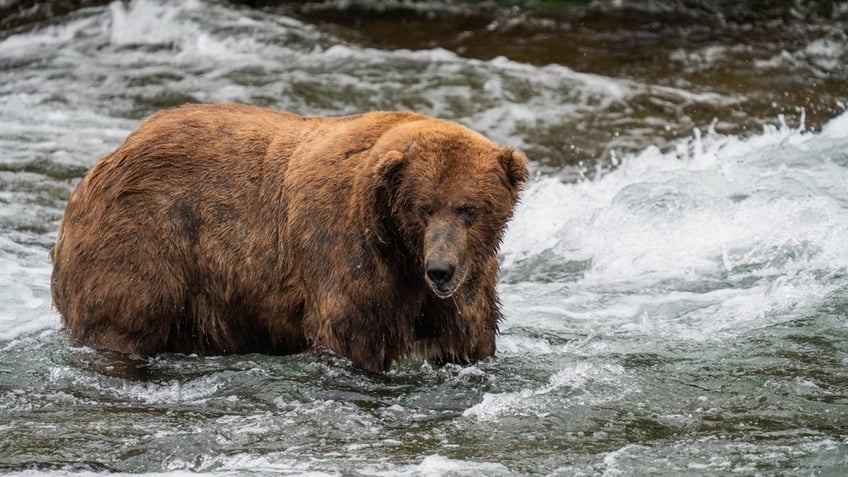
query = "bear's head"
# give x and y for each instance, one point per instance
(449, 193)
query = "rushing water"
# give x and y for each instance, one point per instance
(679, 309)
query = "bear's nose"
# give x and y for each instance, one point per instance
(439, 271)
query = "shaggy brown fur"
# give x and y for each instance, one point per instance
(232, 229)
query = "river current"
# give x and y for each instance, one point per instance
(675, 280)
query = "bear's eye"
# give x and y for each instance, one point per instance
(468, 211)
(424, 211)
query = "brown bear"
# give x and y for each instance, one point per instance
(217, 229)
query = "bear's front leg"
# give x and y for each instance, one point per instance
(371, 336)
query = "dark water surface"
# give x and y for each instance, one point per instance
(675, 281)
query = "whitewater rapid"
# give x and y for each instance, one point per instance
(669, 309)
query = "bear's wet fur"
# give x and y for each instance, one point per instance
(218, 229)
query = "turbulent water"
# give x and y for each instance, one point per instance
(680, 309)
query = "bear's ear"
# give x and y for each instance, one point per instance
(388, 165)
(515, 165)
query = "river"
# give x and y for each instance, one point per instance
(675, 280)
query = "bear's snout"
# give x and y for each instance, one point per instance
(439, 272)
(444, 256)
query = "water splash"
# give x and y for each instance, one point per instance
(719, 234)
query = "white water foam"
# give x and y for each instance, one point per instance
(25, 305)
(438, 465)
(147, 22)
(719, 236)
(823, 57)
(151, 392)
(579, 383)
(177, 26)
